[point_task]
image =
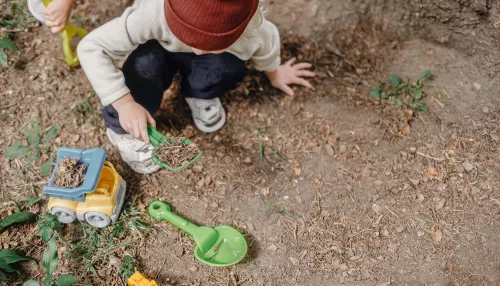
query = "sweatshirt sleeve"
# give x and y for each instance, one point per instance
(267, 57)
(113, 41)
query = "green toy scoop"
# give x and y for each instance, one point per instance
(219, 246)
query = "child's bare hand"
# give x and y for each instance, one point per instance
(288, 74)
(57, 14)
(133, 117)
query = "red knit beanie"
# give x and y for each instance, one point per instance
(209, 25)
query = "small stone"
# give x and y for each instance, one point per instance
(420, 233)
(272, 247)
(379, 182)
(198, 168)
(376, 208)
(486, 109)
(395, 191)
(294, 261)
(208, 181)
(475, 191)
(392, 247)
(193, 268)
(343, 267)
(329, 150)
(440, 204)
(342, 148)
(114, 261)
(420, 197)
(385, 232)
(188, 132)
(297, 171)
(349, 253)
(415, 182)
(399, 228)
(217, 138)
(477, 86)
(247, 160)
(468, 166)
(250, 226)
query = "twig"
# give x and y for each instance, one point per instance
(8, 105)
(430, 157)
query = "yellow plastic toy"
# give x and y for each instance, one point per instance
(36, 8)
(98, 201)
(138, 280)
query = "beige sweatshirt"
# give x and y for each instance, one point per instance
(145, 20)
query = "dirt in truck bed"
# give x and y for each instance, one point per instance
(70, 174)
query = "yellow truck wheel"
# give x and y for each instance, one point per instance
(64, 215)
(97, 219)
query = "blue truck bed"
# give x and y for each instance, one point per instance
(94, 158)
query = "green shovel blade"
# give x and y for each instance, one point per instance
(219, 246)
(157, 139)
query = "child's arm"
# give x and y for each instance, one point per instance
(113, 41)
(57, 14)
(267, 59)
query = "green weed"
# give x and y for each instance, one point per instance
(96, 246)
(84, 110)
(404, 92)
(37, 144)
(8, 257)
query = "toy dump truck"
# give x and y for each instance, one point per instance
(138, 280)
(98, 200)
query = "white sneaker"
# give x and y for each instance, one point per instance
(208, 114)
(134, 152)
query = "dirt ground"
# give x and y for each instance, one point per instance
(367, 193)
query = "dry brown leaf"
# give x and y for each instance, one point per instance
(406, 130)
(265, 192)
(141, 206)
(297, 171)
(329, 150)
(332, 140)
(439, 204)
(4, 234)
(437, 235)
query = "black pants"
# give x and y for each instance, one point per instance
(149, 71)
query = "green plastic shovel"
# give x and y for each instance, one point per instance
(157, 139)
(219, 246)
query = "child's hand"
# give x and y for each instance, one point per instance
(57, 14)
(290, 74)
(133, 117)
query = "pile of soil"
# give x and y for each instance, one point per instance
(70, 174)
(176, 153)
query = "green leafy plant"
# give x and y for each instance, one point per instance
(38, 143)
(9, 257)
(8, 260)
(403, 92)
(48, 226)
(84, 110)
(128, 267)
(16, 218)
(6, 44)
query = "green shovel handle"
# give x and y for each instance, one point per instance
(155, 136)
(161, 211)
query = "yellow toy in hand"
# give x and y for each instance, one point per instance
(37, 8)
